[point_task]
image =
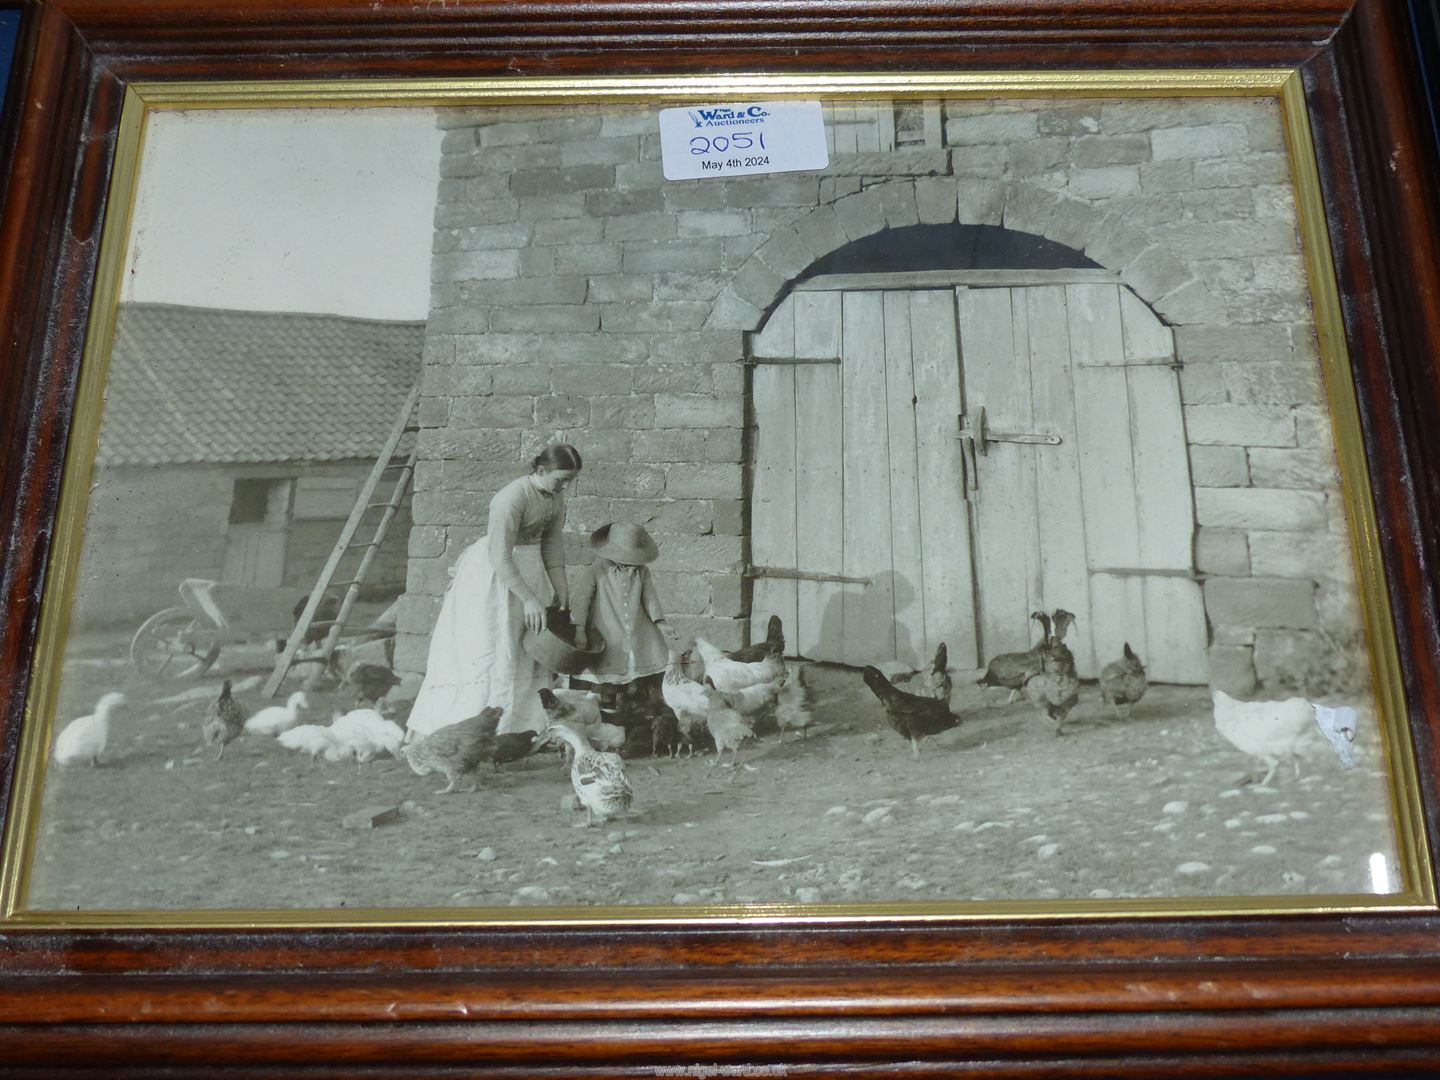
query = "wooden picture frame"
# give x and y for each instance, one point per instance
(1322, 991)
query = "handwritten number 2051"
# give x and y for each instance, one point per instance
(736, 140)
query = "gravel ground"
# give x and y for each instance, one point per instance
(998, 809)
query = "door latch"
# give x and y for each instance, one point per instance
(975, 438)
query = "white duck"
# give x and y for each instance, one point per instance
(367, 733)
(273, 719)
(598, 777)
(312, 739)
(84, 738)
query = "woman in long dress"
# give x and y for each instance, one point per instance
(502, 583)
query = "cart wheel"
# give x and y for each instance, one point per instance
(164, 647)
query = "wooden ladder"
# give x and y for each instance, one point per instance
(364, 502)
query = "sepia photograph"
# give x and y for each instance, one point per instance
(480, 519)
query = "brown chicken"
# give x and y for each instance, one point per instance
(1056, 687)
(1122, 683)
(224, 721)
(774, 643)
(1014, 670)
(911, 715)
(457, 749)
(371, 682)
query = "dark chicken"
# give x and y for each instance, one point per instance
(913, 716)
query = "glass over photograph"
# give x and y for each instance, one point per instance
(481, 520)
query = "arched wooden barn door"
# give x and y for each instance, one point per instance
(881, 521)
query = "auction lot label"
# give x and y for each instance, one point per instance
(742, 139)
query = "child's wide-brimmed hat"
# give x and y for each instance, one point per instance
(622, 542)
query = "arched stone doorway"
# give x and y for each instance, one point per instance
(937, 453)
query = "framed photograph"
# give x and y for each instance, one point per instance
(792, 530)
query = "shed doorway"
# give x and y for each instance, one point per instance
(939, 453)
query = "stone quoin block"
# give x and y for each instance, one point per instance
(620, 288)
(1246, 344)
(1012, 127)
(586, 258)
(689, 285)
(630, 412)
(1240, 425)
(1312, 554)
(656, 226)
(1092, 151)
(601, 151)
(1219, 466)
(708, 481)
(712, 222)
(669, 445)
(658, 315)
(498, 412)
(651, 257)
(1200, 141)
(1248, 172)
(1293, 468)
(672, 378)
(515, 234)
(1232, 669)
(1260, 508)
(567, 231)
(1109, 182)
(553, 318)
(1222, 551)
(707, 554)
(472, 265)
(1261, 602)
(529, 379)
(698, 411)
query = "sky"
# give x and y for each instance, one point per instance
(315, 210)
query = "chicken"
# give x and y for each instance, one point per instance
(598, 777)
(224, 720)
(792, 705)
(325, 614)
(774, 643)
(1122, 683)
(911, 715)
(755, 700)
(732, 675)
(312, 739)
(512, 746)
(1268, 730)
(937, 683)
(1013, 670)
(84, 738)
(371, 682)
(578, 707)
(603, 736)
(1056, 688)
(686, 699)
(665, 735)
(366, 733)
(726, 726)
(455, 749)
(274, 719)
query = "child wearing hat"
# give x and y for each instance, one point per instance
(615, 600)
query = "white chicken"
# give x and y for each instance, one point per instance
(84, 738)
(686, 698)
(366, 733)
(1268, 730)
(273, 719)
(726, 726)
(730, 676)
(792, 705)
(312, 739)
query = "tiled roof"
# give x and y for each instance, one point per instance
(191, 385)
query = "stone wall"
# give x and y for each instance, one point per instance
(578, 295)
